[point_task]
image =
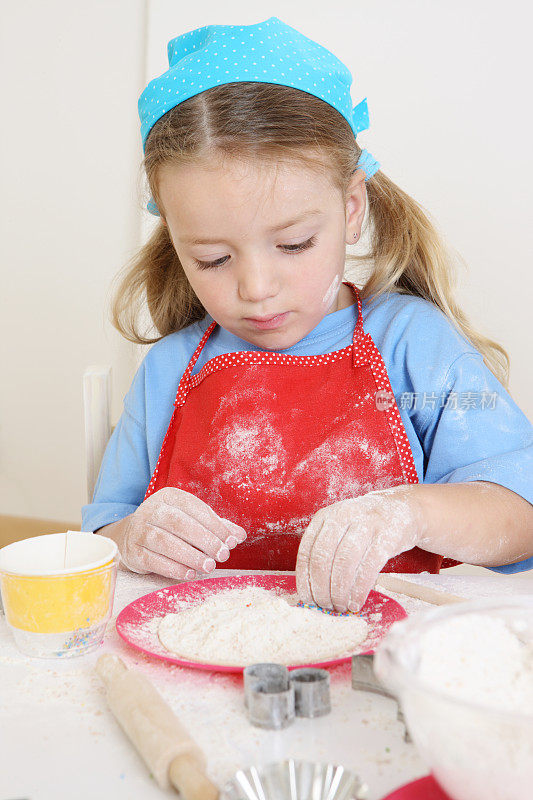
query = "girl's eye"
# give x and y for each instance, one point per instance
(299, 248)
(210, 264)
(290, 249)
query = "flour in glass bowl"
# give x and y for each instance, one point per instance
(475, 730)
(238, 627)
(481, 660)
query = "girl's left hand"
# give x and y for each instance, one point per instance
(346, 545)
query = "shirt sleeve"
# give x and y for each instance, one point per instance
(125, 470)
(475, 431)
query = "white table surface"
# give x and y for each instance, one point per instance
(59, 740)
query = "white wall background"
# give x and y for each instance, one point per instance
(72, 72)
(448, 88)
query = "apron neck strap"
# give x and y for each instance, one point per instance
(358, 332)
(183, 386)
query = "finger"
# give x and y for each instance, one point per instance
(178, 522)
(236, 531)
(303, 586)
(200, 511)
(351, 550)
(135, 554)
(172, 546)
(162, 565)
(366, 575)
(321, 560)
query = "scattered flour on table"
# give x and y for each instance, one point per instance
(479, 659)
(238, 627)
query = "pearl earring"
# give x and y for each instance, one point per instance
(355, 236)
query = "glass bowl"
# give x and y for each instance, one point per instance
(476, 750)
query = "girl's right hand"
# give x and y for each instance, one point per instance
(175, 534)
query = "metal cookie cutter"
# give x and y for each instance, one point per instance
(257, 673)
(268, 695)
(311, 691)
(364, 679)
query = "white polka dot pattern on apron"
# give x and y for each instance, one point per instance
(395, 421)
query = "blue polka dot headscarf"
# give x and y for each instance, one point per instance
(268, 52)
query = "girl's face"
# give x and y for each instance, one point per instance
(256, 241)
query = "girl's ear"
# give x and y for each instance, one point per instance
(355, 204)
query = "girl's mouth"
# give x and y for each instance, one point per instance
(270, 322)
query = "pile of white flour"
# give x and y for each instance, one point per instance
(238, 627)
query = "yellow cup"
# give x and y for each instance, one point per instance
(57, 591)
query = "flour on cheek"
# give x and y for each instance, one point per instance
(331, 293)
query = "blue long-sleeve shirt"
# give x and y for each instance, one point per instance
(461, 422)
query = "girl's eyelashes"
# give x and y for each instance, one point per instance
(299, 248)
(210, 264)
(290, 249)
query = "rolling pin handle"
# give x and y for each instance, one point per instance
(109, 667)
(186, 775)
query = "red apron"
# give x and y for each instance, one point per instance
(266, 440)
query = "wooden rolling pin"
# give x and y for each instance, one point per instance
(169, 752)
(393, 584)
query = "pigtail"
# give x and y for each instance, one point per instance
(154, 279)
(409, 256)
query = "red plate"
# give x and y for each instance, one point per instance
(137, 623)
(422, 789)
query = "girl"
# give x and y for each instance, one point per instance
(285, 419)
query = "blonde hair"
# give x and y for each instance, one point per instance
(272, 123)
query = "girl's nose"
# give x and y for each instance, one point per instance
(257, 283)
